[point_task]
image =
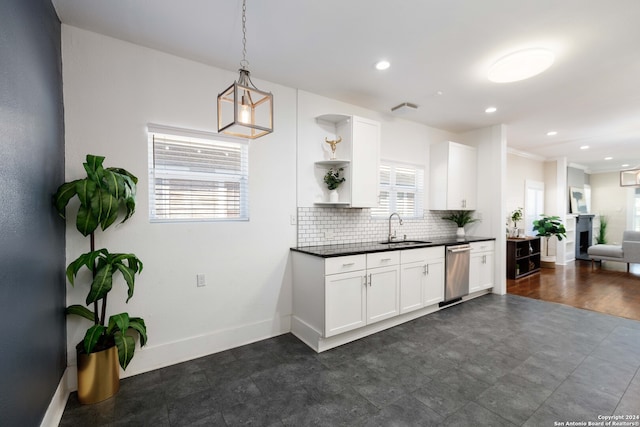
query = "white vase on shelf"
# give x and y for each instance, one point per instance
(334, 197)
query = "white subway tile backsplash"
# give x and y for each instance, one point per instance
(356, 225)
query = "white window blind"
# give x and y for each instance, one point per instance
(197, 176)
(401, 191)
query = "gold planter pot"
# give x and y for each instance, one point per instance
(98, 375)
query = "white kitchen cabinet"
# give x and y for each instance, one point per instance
(360, 146)
(453, 176)
(360, 296)
(383, 290)
(345, 302)
(340, 299)
(421, 278)
(481, 266)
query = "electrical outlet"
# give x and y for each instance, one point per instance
(200, 282)
(293, 220)
(329, 235)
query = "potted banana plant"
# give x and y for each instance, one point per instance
(103, 195)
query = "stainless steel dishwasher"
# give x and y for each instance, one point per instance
(457, 280)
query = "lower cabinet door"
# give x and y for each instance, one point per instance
(481, 274)
(434, 282)
(412, 278)
(345, 302)
(383, 293)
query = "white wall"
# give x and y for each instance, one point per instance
(520, 168)
(610, 200)
(112, 90)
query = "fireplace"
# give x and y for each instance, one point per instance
(584, 237)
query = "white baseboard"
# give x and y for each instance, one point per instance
(58, 402)
(150, 358)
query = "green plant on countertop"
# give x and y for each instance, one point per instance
(461, 218)
(333, 179)
(549, 226)
(103, 194)
(602, 231)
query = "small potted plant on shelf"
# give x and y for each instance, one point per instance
(547, 227)
(103, 195)
(461, 218)
(516, 216)
(334, 179)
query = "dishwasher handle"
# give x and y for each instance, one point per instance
(458, 248)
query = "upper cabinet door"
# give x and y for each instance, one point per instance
(453, 173)
(365, 163)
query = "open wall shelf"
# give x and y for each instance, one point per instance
(523, 257)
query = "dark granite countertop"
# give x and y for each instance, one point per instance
(327, 251)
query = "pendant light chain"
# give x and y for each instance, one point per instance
(244, 64)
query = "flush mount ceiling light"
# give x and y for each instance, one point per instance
(405, 107)
(243, 109)
(552, 133)
(608, 158)
(382, 65)
(584, 147)
(520, 65)
(490, 110)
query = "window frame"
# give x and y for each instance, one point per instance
(393, 187)
(200, 137)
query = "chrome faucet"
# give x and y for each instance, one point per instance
(393, 236)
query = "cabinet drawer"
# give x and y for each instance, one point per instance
(489, 245)
(344, 264)
(421, 254)
(383, 259)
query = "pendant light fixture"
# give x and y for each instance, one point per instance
(243, 109)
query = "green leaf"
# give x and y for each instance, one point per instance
(101, 284)
(115, 184)
(129, 277)
(118, 322)
(125, 174)
(86, 222)
(92, 336)
(85, 188)
(80, 310)
(126, 346)
(137, 324)
(65, 193)
(93, 166)
(109, 210)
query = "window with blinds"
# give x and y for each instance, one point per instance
(401, 191)
(197, 176)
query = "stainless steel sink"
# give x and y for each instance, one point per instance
(405, 242)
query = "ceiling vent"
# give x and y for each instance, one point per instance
(405, 107)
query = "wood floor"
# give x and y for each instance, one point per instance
(608, 289)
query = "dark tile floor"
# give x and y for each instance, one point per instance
(494, 361)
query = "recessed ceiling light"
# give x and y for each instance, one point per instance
(491, 110)
(584, 147)
(552, 133)
(521, 65)
(608, 158)
(626, 165)
(382, 65)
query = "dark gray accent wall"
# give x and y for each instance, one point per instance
(32, 286)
